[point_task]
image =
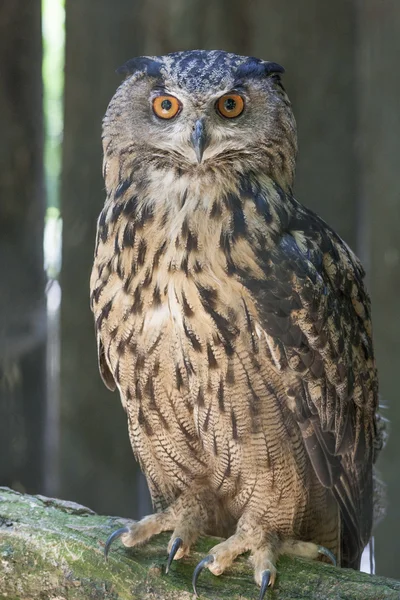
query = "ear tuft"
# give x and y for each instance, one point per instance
(141, 64)
(254, 67)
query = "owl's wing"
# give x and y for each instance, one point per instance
(315, 314)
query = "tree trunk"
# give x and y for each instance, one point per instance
(22, 206)
(54, 549)
(97, 466)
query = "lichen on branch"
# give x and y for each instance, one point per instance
(53, 550)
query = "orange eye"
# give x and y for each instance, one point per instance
(230, 105)
(166, 107)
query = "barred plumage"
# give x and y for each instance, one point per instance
(233, 321)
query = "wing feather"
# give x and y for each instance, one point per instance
(314, 309)
(105, 372)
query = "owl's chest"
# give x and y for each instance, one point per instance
(185, 325)
(167, 286)
(175, 307)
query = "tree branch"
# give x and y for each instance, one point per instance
(54, 549)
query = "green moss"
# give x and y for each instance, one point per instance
(54, 549)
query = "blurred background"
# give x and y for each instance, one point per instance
(62, 433)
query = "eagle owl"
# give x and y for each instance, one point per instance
(233, 321)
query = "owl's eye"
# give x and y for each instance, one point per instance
(166, 107)
(230, 105)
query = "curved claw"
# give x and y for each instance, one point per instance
(325, 552)
(113, 537)
(199, 567)
(266, 576)
(175, 547)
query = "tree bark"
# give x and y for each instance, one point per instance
(54, 549)
(22, 206)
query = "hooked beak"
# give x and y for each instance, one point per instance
(199, 139)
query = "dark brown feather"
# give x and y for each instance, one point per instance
(313, 301)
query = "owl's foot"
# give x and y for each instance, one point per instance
(141, 531)
(263, 555)
(222, 556)
(191, 520)
(186, 518)
(306, 550)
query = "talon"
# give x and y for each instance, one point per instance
(325, 552)
(199, 567)
(175, 547)
(113, 537)
(266, 576)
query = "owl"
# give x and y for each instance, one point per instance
(233, 321)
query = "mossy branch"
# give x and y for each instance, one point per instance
(52, 549)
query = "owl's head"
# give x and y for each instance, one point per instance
(199, 109)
